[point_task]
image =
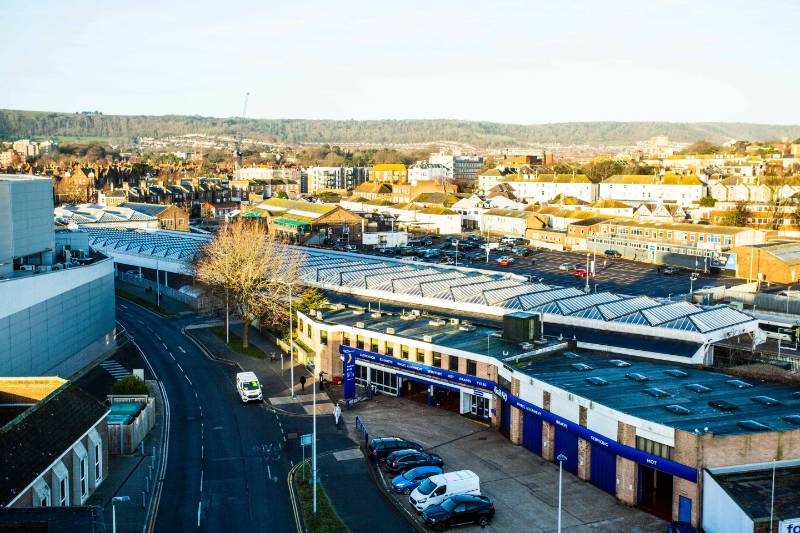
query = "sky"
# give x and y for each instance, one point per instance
(502, 61)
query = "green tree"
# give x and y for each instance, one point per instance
(282, 194)
(737, 216)
(130, 385)
(708, 201)
(702, 147)
(309, 299)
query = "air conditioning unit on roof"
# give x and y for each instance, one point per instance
(390, 331)
(455, 321)
(360, 325)
(427, 338)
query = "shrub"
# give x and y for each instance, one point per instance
(130, 385)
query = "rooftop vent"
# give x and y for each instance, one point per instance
(594, 380)
(657, 393)
(696, 387)
(722, 405)
(408, 316)
(416, 312)
(637, 377)
(792, 419)
(766, 400)
(571, 355)
(678, 410)
(360, 325)
(466, 327)
(675, 373)
(619, 363)
(527, 345)
(427, 338)
(337, 307)
(455, 321)
(390, 331)
(358, 311)
(581, 367)
(738, 383)
(436, 322)
(376, 314)
(752, 425)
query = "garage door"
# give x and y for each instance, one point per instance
(505, 417)
(567, 444)
(532, 433)
(603, 467)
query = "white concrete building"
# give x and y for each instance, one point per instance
(543, 188)
(424, 171)
(671, 188)
(509, 222)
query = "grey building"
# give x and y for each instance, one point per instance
(58, 295)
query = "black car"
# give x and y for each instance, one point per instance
(612, 253)
(378, 449)
(403, 460)
(462, 509)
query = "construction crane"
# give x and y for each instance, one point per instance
(237, 150)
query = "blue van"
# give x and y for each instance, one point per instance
(406, 482)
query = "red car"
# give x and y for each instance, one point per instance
(581, 273)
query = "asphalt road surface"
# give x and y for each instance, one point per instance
(226, 464)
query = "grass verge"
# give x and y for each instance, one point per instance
(236, 343)
(143, 302)
(326, 520)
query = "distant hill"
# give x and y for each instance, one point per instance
(17, 124)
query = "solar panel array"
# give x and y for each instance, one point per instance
(342, 270)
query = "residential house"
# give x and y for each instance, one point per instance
(578, 232)
(671, 188)
(54, 440)
(471, 208)
(218, 211)
(169, 217)
(75, 186)
(371, 190)
(611, 208)
(489, 179)
(660, 213)
(543, 188)
(559, 219)
(511, 222)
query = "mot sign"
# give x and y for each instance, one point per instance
(791, 525)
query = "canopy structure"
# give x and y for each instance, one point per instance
(292, 223)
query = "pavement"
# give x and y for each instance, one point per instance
(522, 484)
(168, 304)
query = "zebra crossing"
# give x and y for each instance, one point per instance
(115, 369)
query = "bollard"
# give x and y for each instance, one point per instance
(150, 472)
(143, 500)
(146, 484)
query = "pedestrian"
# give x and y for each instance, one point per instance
(302, 383)
(337, 414)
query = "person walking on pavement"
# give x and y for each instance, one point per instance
(302, 383)
(337, 414)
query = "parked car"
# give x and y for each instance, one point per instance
(409, 480)
(403, 460)
(567, 267)
(431, 254)
(379, 449)
(463, 509)
(521, 251)
(612, 253)
(581, 273)
(505, 260)
(668, 271)
(437, 489)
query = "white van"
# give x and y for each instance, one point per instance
(248, 387)
(437, 489)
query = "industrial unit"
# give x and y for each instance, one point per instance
(640, 429)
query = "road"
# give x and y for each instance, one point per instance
(226, 467)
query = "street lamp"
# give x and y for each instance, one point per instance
(314, 443)
(561, 458)
(291, 343)
(114, 501)
(692, 279)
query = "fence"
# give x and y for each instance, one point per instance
(198, 303)
(363, 429)
(125, 438)
(757, 300)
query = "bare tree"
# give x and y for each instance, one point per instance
(252, 270)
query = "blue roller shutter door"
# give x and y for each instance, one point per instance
(505, 417)
(566, 443)
(603, 469)
(532, 433)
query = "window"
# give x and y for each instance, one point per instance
(98, 464)
(420, 355)
(404, 351)
(437, 359)
(472, 367)
(84, 486)
(654, 448)
(390, 348)
(360, 342)
(308, 329)
(453, 363)
(323, 337)
(346, 338)
(669, 235)
(63, 488)
(373, 346)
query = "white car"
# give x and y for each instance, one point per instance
(567, 267)
(248, 387)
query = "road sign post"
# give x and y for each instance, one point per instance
(305, 440)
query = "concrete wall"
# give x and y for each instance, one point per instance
(46, 319)
(720, 513)
(26, 218)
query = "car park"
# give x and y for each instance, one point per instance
(505, 260)
(612, 253)
(581, 273)
(379, 449)
(669, 270)
(462, 509)
(567, 267)
(403, 460)
(431, 254)
(409, 480)
(521, 251)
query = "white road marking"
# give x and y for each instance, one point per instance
(189, 380)
(158, 336)
(198, 512)
(201, 481)
(150, 329)
(173, 357)
(140, 321)
(165, 346)
(181, 349)
(123, 306)
(179, 366)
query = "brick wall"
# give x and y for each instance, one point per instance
(627, 470)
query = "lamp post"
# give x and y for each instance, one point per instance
(692, 279)
(114, 501)
(314, 444)
(561, 458)
(291, 343)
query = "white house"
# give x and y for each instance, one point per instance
(672, 188)
(505, 222)
(424, 171)
(544, 187)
